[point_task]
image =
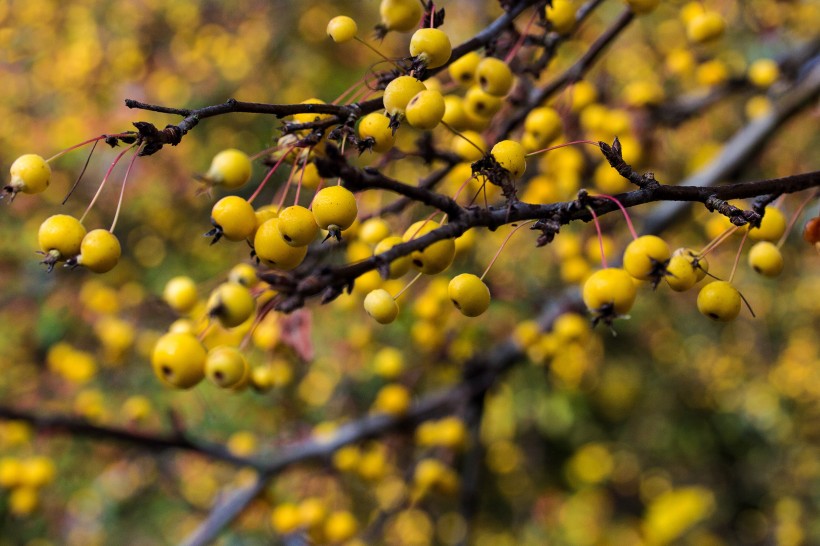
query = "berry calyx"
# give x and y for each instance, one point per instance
(380, 305)
(233, 218)
(231, 304)
(60, 238)
(431, 46)
(99, 251)
(766, 259)
(342, 29)
(30, 173)
(719, 301)
(469, 294)
(297, 226)
(178, 360)
(335, 209)
(230, 169)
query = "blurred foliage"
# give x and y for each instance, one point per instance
(677, 431)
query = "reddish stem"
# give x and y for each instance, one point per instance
(270, 173)
(122, 192)
(593, 143)
(600, 236)
(623, 210)
(521, 38)
(104, 180)
(503, 244)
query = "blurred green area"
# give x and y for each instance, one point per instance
(678, 430)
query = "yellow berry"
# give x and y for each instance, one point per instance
(772, 226)
(341, 526)
(225, 366)
(544, 124)
(431, 46)
(180, 294)
(30, 173)
(376, 126)
(393, 399)
(511, 156)
(233, 218)
(380, 305)
(60, 237)
(229, 169)
(399, 92)
(342, 29)
(436, 257)
(272, 249)
(480, 104)
(231, 304)
(334, 208)
(494, 76)
(646, 257)
(179, 360)
(766, 259)
(297, 226)
(469, 294)
(462, 70)
(400, 15)
(681, 274)
(719, 301)
(763, 72)
(610, 289)
(562, 16)
(705, 26)
(425, 110)
(99, 251)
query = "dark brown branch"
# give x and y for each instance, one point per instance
(73, 426)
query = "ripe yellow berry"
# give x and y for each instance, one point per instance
(380, 305)
(494, 76)
(681, 274)
(60, 237)
(340, 526)
(30, 173)
(772, 226)
(719, 301)
(399, 92)
(229, 169)
(231, 304)
(436, 257)
(272, 249)
(511, 156)
(376, 126)
(233, 218)
(393, 399)
(180, 294)
(431, 46)
(480, 104)
(244, 274)
(342, 29)
(462, 70)
(469, 294)
(179, 360)
(399, 266)
(562, 16)
(99, 251)
(285, 518)
(400, 15)
(425, 110)
(470, 145)
(297, 226)
(226, 366)
(763, 72)
(335, 209)
(544, 124)
(705, 26)
(766, 259)
(388, 363)
(609, 290)
(37, 472)
(646, 258)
